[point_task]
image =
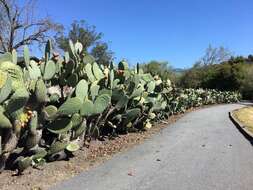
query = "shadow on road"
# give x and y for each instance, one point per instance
(246, 135)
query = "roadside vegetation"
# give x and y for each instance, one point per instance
(50, 106)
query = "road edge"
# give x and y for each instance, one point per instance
(240, 126)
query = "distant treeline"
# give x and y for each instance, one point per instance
(235, 74)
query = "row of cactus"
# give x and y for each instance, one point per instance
(48, 108)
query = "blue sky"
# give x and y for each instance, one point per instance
(177, 31)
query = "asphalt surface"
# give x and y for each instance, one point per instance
(201, 151)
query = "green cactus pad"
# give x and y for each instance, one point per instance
(78, 47)
(94, 89)
(5, 90)
(82, 89)
(6, 57)
(15, 73)
(49, 112)
(39, 153)
(123, 65)
(27, 56)
(88, 70)
(17, 101)
(80, 130)
(97, 71)
(33, 122)
(24, 163)
(72, 47)
(66, 57)
(137, 92)
(151, 86)
(4, 122)
(49, 71)
(88, 59)
(41, 91)
(72, 80)
(87, 108)
(34, 70)
(147, 77)
(56, 147)
(111, 78)
(3, 78)
(105, 91)
(72, 147)
(48, 50)
(76, 120)
(101, 103)
(122, 102)
(71, 106)
(54, 98)
(60, 125)
(130, 115)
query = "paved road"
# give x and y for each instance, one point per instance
(201, 151)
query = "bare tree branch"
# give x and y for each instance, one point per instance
(18, 26)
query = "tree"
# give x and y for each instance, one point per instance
(102, 53)
(160, 68)
(18, 26)
(214, 56)
(90, 39)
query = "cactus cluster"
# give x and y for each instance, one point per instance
(48, 108)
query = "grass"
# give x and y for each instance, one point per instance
(245, 116)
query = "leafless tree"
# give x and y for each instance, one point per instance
(214, 56)
(19, 26)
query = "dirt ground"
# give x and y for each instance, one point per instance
(84, 159)
(245, 116)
